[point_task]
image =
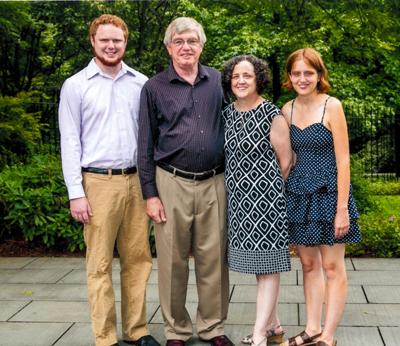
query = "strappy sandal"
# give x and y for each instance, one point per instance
(273, 337)
(306, 340)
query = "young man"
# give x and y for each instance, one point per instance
(98, 117)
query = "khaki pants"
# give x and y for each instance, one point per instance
(196, 221)
(119, 215)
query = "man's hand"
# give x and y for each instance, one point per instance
(80, 209)
(155, 210)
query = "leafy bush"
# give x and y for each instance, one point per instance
(381, 187)
(362, 191)
(34, 203)
(19, 127)
(381, 236)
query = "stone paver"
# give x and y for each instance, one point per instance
(383, 294)
(390, 335)
(31, 334)
(21, 276)
(366, 315)
(10, 308)
(43, 301)
(383, 264)
(15, 262)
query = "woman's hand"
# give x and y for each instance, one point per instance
(341, 223)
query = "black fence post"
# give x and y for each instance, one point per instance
(397, 143)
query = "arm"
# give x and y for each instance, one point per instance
(286, 110)
(280, 140)
(70, 130)
(146, 164)
(337, 123)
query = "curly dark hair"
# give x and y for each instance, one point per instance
(260, 68)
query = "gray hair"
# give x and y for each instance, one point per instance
(182, 24)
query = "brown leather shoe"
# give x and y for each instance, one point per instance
(175, 342)
(220, 340)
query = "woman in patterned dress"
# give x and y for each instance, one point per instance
(258, 157)
(321, 210)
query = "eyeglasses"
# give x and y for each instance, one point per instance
(191, 42)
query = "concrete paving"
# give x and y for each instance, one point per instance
(43, 302)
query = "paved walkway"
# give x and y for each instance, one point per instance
(43, 302)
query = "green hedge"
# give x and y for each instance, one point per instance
(34, 204)
(380, 236)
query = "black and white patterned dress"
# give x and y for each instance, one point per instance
(257, 219)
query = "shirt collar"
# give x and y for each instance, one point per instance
(93, 69)
(173, 76)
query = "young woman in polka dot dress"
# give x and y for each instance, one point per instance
(321, 210)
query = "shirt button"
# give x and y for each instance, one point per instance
(199, 116)
(201, 131)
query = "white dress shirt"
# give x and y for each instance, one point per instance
(98, 121)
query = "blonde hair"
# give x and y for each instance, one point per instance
(312, 58)
(182, 24)
(108, 19)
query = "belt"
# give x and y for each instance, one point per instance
(110, 171)
(189, 175)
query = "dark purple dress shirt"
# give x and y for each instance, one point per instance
(180, 124)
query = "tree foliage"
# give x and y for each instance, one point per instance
(44, 42)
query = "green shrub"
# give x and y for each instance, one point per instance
(362, 191)
(34, 203)
(19, 127)
(382, 187)
(380, 236)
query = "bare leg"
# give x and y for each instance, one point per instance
(314, 287)
(267, 296)
(274, 322)
(336, 293)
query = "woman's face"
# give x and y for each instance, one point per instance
(243, 82)
(304, 78)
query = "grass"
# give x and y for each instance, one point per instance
(388, 205)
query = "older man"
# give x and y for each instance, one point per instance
(181, 166)
(98, 122)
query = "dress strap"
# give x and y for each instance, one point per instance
(323, 114)
(291, 113)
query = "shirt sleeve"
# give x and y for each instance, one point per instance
(69, 114)
(146, 141)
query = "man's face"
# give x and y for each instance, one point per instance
(185, 49)
(109, 44)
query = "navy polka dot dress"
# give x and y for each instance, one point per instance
(312, 189)
(258, 241)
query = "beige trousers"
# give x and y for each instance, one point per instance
(196, 223)
(119, 215)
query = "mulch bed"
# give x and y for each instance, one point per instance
(22, 248)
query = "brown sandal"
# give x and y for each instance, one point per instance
(323, 343)
(305, 338)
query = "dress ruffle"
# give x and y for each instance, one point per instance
(312, 201)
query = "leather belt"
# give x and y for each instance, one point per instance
(192, 175)
(111, 171)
